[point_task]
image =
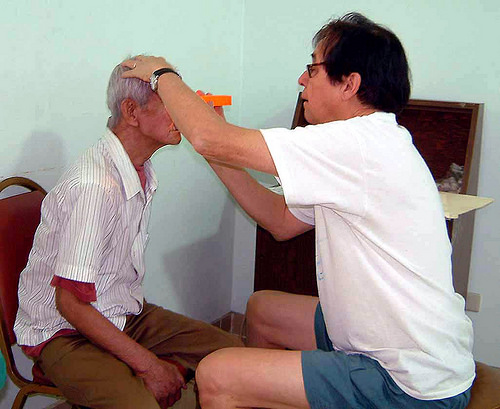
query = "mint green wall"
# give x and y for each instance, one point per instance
(452, 49)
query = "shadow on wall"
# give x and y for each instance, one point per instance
(42, 159)
(198, 276)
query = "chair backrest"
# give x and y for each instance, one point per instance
(19, 218)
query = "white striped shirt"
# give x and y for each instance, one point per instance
(93, 230)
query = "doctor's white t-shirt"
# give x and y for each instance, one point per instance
(383, 257)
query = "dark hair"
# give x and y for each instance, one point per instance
(354, 43)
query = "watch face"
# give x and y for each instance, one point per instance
(153, 81)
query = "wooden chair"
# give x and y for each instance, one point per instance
(19, 218)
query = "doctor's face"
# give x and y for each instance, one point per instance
(321, 96)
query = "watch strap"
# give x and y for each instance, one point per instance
(156, 74)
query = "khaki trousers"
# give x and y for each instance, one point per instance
(91, 377)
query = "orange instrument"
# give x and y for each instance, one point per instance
(218, 100)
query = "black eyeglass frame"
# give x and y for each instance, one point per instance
(310, 67)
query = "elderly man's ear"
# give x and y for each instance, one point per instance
(129, 111)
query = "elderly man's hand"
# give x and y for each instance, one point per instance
(164, 381)
(142, 66)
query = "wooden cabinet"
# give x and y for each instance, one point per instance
(444, 133)
(285, 265)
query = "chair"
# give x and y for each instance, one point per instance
(19, 218)
(485, 393)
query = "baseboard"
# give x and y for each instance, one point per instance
(232, 322)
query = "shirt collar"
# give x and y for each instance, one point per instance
(383, 116)
(126, 170)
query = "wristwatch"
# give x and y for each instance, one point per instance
(153, 80)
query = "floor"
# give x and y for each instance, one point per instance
(231, 322)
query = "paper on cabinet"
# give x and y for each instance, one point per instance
(455, 204)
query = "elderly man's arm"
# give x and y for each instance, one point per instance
(209, 134)
(161, 378)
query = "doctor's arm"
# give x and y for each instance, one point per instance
(210, 135)
(223, 144)
(267, 208)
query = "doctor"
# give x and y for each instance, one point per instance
(388, 329)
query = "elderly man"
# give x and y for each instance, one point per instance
(82, 315)
(388, 329)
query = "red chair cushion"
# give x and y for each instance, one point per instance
(19, 218)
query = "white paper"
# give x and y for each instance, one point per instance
(455, 204)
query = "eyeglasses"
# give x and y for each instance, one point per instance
(310, 68)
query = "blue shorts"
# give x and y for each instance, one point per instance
(334, 379)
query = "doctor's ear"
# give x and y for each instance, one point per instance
(351, 83)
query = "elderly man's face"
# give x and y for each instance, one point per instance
(321, 98)
(156, 123)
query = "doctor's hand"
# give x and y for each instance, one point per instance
(218, 110)
(142, 66)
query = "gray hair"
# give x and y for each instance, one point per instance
(120, 89)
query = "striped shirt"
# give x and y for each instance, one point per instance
(93, 230)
